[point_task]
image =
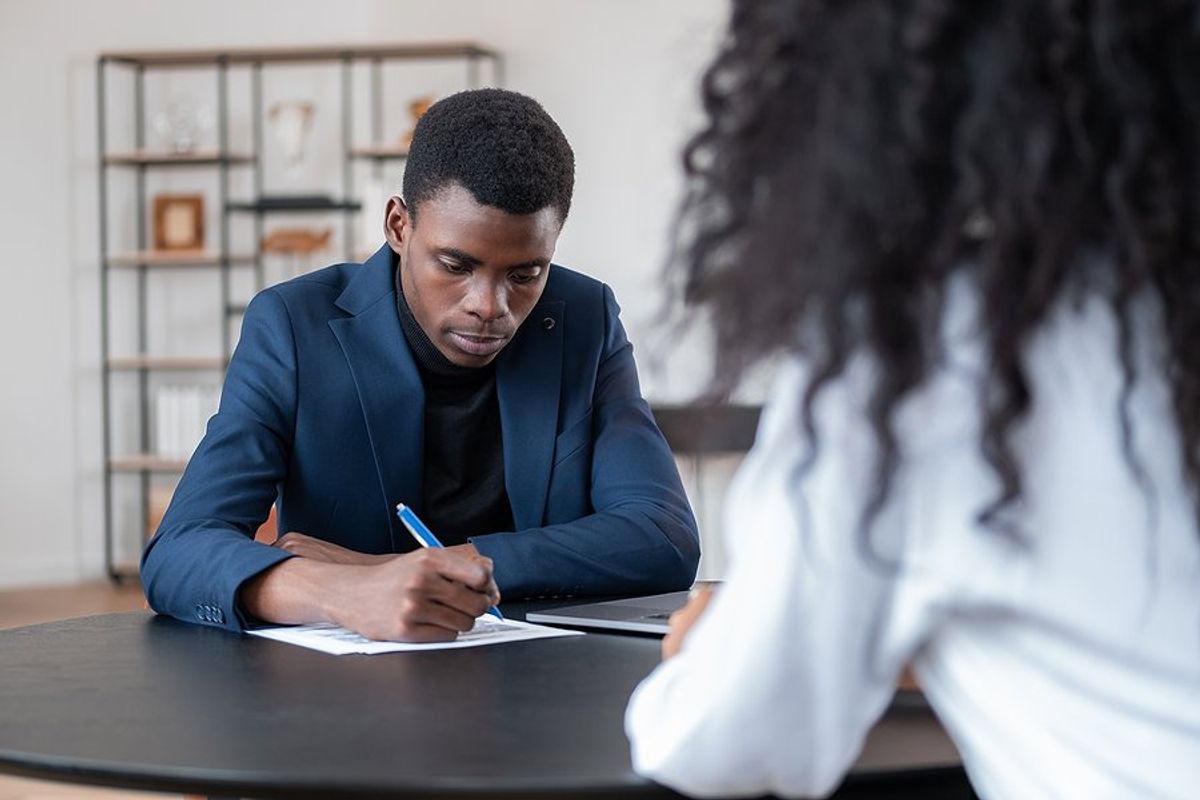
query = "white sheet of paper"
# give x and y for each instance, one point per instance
(329, 638)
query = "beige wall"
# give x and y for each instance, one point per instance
(619, 76)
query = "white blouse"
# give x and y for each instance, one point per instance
(1067, 665)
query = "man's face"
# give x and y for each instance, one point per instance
(471, 273)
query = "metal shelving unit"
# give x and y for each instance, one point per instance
(144, 261)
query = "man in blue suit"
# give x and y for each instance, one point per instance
(456, 371)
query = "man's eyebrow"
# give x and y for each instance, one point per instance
(459, 255)
(536, 262)
(470, 260)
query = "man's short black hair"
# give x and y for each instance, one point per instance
(502, 146)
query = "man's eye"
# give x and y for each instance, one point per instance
(524, 277)
(455, 269)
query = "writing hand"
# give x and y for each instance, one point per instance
(468, 550)
(424, 596)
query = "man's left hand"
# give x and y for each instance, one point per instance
(320, 550)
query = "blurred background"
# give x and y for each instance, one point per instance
(79, 487)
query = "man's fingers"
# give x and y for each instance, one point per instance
(440, 589)
(464, 599)
(475, 572)
(445, 617)
(422, 633)
(288, 540)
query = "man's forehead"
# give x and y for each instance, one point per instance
(484, 233)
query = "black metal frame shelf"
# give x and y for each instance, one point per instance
(195, 158)
(414, 51)
(166, 259)
(165, 363)
(220, 257)
(379, 152)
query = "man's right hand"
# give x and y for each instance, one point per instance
(423, 596)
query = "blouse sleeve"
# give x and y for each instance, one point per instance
(798, 654)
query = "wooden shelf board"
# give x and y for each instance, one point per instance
(166, 362)
(328, 52)
(379, 151)
(196, 157)
(267, 207)
(146, 462)
(177, 258)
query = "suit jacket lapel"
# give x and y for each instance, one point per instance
(528, 384)
(388, 384)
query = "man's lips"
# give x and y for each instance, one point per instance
(476, 345)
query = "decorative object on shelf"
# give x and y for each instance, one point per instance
(291, 122)
(298, 244)
(181, 414)
(297, 241)
(179, 222)
(181, 124)
(417, 108)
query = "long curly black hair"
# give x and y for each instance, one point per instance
(856, 153)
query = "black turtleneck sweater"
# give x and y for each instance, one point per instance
(463, 491)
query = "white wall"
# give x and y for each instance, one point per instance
(619, 76)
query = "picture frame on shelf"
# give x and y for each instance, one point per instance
(179, 222)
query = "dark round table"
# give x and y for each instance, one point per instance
(146, 702)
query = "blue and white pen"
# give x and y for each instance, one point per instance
(425, 538)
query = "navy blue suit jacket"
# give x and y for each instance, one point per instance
(322, 412)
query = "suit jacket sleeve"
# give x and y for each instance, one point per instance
(642, 536)
(204, 549)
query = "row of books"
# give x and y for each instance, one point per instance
(181, 414)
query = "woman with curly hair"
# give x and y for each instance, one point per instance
(972, 232)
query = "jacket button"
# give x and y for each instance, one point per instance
(548, 323)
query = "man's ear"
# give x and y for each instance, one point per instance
(397, 224)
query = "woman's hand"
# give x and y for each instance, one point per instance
(682, 620)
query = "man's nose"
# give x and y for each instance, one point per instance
(487, 300)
